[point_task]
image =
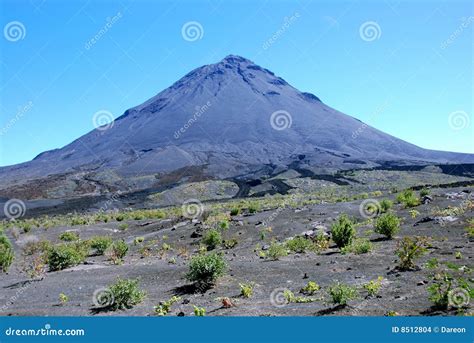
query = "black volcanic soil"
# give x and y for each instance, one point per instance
(403, 292)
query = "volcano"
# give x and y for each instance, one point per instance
(232, 119)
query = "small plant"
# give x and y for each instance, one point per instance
(235, 211)
(165, 306)
(299, 244)
(138, 240)
(224, 225)
(458, 255)
(414, 213)
(125, 294)
(254, 207)
(432, 263)
(230, 243)
(212, 239)
(123, 226)
(69, 236)
(321, 242)
(246, 290)
(63, 298)
(358, 246)
(311, 288)
(199, 311)
(408, 198)
(100, 244)
(341, 293)
(276, 251)
(206, 268)
(66, 255)
(409, 249)
(117, 251)
(373, 286)
(425, 192)
(391, 314)
(385, 205)
(6, 253)
(343, 231)
(387, 224)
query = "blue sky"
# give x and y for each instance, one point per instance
(413, 78)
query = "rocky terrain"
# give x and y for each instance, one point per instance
(162, 244)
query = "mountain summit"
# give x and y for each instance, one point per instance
(232, 119)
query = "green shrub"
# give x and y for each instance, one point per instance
(235, 211)
(385, 205)
(230, 243)
(373, 286)
(311, 288)
(117, 251)
(66, 255)
(246, 289)
(224, 224)
(206, 268)
(123, 226)
(6, 253)
(425, 192)
(199, 311)
(69, 236)
(126, 294)
(254, 207)
(276, 250)
(409, 249)
(343, 232)
(299, 244)
(100, 244)
(358, 246)
(165, 306)
(341, 293)
(388, 225)
(408, 198)
(212, 239)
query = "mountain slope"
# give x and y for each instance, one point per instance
(227, 119)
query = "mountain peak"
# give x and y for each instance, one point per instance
(235, 59)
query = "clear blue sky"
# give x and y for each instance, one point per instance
(407, 81)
